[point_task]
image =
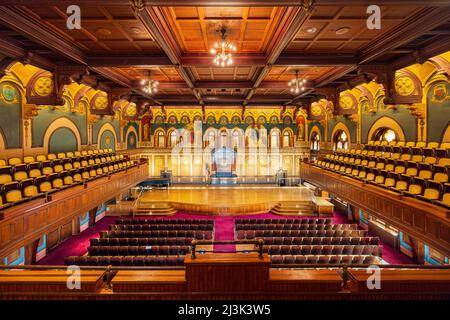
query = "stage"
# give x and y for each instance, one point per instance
(231, 200)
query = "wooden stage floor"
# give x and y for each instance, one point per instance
(232, 200)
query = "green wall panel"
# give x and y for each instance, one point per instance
(62, 140)
(11, 115)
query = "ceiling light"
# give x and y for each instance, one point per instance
(150, 86)
(222, 51)
(297, 85)
(342, 30)
(311, 30)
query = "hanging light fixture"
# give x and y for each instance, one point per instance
(222, 50)
(297, 85)
(150, 86)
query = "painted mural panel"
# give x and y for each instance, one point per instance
(11, 115)
(96, 127)
(131, 141)
(62, 140)
(438, 110)
(107, 140)
(47, 115)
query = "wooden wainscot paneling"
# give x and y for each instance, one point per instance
(28, 221)
(32, 281)
(425, 221)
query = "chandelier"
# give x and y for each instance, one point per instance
(297, 84)
(222, 50)
(150, 86)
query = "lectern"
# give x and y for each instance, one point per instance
(227, 272)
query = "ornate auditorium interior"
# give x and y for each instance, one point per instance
(243, 149)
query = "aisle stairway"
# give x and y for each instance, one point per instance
(295, 208)
(155, 209)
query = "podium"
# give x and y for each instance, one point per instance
(227, 272)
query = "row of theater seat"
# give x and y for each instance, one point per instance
(320, 240)
(140, 241)
(137, 250)
(150, 227)
(324, 259)
(420, 145)
(372, 250)
(198, 235)
(164, 221)
(16, 161)
(284, 221)
(273, 226)
(427, 182)
(256, 234)
(128, 261)
(31, 181)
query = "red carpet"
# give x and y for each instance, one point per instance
(224, 230)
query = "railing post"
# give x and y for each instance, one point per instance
(345, 277)
(193, 248)
(108, 277)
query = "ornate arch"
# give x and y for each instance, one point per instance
(131, 129)
(291, 136)
(155, 137)
(59, 123)
(341, 126)
(106, 127)
(315, 129)
(387, 122)
(445, 135)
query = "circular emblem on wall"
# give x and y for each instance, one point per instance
(43, 86)
(404, 86)
(316, 109)
(131, 110)
(9, 94)
(101, 102)
(346, 102)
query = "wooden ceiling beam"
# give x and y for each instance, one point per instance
(422, 21)
(156, 24)
(291, 22)
(228, 3)
(13, 50)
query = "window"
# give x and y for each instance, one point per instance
(274, 139)
(385, 134)
(173, 139)
(223, 139)
(211, 139)
(160, 139)
(315, 142)
(286, 139)
(340, 140)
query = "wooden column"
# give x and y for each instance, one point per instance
(92, 214)
(31, 252)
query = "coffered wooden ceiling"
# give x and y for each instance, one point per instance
(120, 42)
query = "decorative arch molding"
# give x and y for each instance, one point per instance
(59, 123)
(313, 130)
(341, 126)
(445, 135)
(132, 129)
(106, 127)
(2, 141)
(387, 122)
(155, 137)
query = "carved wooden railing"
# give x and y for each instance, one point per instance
(425, 221)
(22, 224)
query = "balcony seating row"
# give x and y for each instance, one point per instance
(324, 259)
(137, 250)
(199, 235)
(140, 241)
(284, 221)
(128, 261)
(256, 234)
(321, 240)
(273, 226)
(164, 221)
(150, 227)
(372, 250)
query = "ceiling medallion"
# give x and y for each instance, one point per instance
(297, 84)
(222, 50)
(150, 86)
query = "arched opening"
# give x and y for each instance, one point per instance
(340, 140)
(236, 139)
(160, 140)
(288, 140)
(315, 142)
(385, 134)
(275, 139)
(62, 140)
(173, 139)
